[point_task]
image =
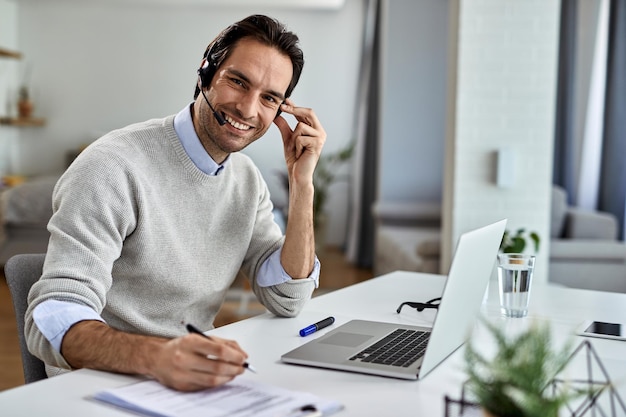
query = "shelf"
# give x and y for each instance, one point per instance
(7, 53)
(22, 122)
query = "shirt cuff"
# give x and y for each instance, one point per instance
(273, 273)
(54, 318)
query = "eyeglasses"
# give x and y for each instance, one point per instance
(434, 303)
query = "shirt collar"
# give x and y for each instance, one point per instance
(183, 125)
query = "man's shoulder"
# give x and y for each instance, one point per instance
(135, 135)
(155, 124)
(120, 151)
(142, 130)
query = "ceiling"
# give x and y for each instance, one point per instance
(292, 4)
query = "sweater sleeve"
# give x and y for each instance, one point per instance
(93, 212)
(286, 296)
(273, 273)
(284, 299)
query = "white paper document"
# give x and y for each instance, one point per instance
(238, 398)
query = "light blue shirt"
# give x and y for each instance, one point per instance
(54, 318)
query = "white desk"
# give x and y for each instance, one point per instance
(266, 337)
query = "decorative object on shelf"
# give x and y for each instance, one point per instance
(516, 243)
(521, 380)
(602, 398)
(25, 105)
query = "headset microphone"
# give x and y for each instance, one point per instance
(217, 116)
(220, 119)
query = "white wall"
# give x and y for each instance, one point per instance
(9, 70)
(503, 95)
(99, 65)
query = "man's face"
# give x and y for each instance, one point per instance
(247, 91)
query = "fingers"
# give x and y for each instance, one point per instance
(304, 137)
(216, 355)
(283, 126)
(302, 114)
(194, 362)
(308, 133)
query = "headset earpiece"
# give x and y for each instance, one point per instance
(206, 71)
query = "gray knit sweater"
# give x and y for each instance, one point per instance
(149, 241)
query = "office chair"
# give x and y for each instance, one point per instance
(21, 272)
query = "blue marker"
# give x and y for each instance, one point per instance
(317, 326)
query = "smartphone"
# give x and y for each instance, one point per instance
(616, 331)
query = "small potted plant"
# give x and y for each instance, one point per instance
(24, 103)
(516, 243)
(326, 173)
(514, 382)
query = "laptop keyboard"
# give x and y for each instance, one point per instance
(399, 348)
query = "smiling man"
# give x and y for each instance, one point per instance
(153, 222)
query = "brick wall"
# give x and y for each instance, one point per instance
(502, 93)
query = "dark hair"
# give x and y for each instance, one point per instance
(264, 29)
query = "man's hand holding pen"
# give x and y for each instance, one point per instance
(194, 362)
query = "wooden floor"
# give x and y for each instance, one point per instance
(336, 273)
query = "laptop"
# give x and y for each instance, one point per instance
(355, 346)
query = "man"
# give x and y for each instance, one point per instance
(153, 222)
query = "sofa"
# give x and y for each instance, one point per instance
(584, 249)
(407, 237)
(24, 213)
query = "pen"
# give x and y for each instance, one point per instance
(193, 329)
(308, 410)
(317, 326)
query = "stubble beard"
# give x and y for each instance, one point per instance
(218, 140)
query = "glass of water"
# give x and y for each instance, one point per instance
(515, 273)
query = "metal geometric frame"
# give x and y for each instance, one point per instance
(597, 388)
(588, 405)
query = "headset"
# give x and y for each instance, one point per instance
(206, 72)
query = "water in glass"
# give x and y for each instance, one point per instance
(514, 281)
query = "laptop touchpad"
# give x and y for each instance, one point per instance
(346, 339)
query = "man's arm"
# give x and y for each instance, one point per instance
(182, 363)
(302, 147)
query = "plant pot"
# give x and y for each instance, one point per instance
(25, 109)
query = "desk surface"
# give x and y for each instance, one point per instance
(266, 338)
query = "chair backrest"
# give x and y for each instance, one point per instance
(21, 272)
(558, 212)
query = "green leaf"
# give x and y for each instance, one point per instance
(517, 243)
(515, 381)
